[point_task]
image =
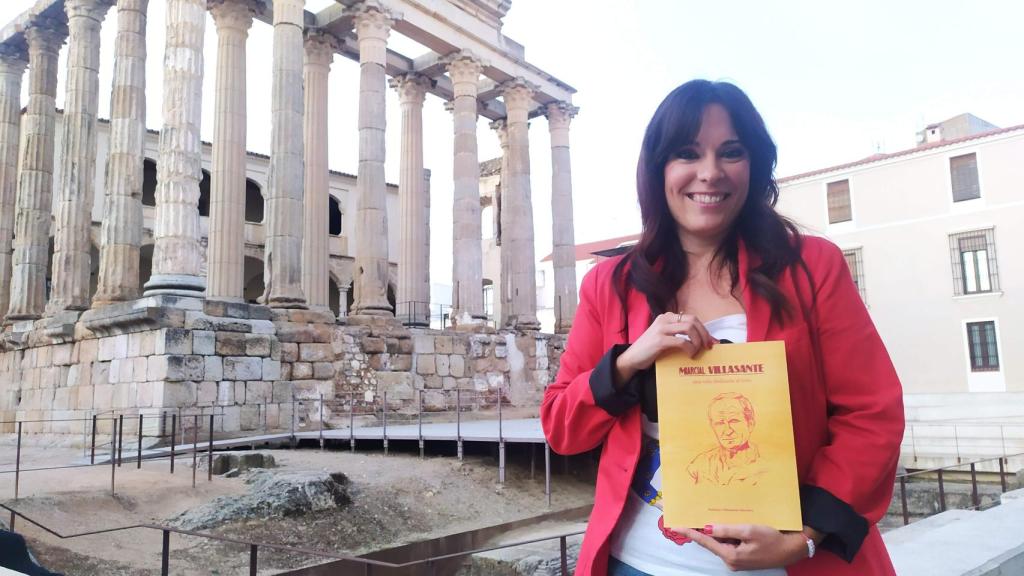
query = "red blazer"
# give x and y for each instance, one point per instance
(846, 398)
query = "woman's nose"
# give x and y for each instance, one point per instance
(709, 170)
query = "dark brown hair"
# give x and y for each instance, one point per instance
(657, 265)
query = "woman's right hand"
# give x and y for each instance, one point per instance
(660, 337)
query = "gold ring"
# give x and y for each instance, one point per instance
(679, 316)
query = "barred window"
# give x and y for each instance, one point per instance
(981, 343)
(855, 262)
(839, 208)
(973, 256)
(963, 173)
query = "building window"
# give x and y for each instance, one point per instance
(856, 264)
(974, 262)
(839, 208)
(333, 216)
(488, 298)
(963, 174)
(981, 341)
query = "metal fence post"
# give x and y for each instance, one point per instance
(253, 552)
(195, 446)
(92, 455)
(209, 452)
(547, 472)
(903, 500)
(1002, 475)
(384, 414)
(174, 437)
(321, 420)
(120, 439)
(165, 554)
(419, 417)
(974, 487)
(458, 422)
(563, 556)
(138, 462)
(352, 424)
(113, 453)
(17, 466)
(942, 493)
(501, 442)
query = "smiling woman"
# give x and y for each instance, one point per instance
(715, 263)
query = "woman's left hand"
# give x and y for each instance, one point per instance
(751, 547)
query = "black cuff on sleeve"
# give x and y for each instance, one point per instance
(844, 529)
(602, 384)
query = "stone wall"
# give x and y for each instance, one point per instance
(251, 366)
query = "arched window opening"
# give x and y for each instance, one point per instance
(334, 216)
(254, 202)
(253, 283)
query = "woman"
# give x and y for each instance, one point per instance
(715, 262)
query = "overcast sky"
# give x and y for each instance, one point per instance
(835, 81)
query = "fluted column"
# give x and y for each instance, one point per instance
(520, 273)
(226, 248)
(283, 263)
(13, 60)
(370, 277)
(176, 252)
(73, 206)
(413, 290)
(467, 268)
(563, 237)
(121, 231)
(35, 177)
(320, 48)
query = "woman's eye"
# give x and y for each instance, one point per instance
(734, 153)
(687, 154)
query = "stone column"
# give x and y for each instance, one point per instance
(563, 238)
(502, 291)
(226, 247)
(283, 263)
(35, 177)
(320, 48)
(370, 276)
(343, 303)
(467, 269)
(73, 206)
(13, 60)
(519, 267)
(121, 232)
(176, 252)
(413, 297)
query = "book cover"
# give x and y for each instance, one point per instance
(726, 434)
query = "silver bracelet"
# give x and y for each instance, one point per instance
(810, 546)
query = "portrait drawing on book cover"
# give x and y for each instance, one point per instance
(734, 458)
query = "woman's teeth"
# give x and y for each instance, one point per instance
(708, 198)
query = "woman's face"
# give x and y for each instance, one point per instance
(707, 181)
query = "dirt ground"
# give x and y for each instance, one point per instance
(396, 499)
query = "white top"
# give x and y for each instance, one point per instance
(637, 540)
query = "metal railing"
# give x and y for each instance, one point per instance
(939, 473)
(368, 564)
(962, 439)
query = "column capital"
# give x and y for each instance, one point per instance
(321, 45)
(234, 14)
(372, 20)
(13, 58)
(517, 93)
(560, 114)
(500, 127)
(94, 9)
(411, 88)
(46, 34)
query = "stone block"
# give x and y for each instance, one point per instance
(189, 367)
(391, 345)
(263, 327)
(174, 341)
(124, 395)
(44, 357)
(443, 344)
(323, 370)
(239, 392)
(61, 399)
(84, 399)
(302, 370)
(144, 394)
(257, 345)
(214, 368)
(271, 369)
(243, 368)
(200, 321)
(282, 392)
(401, 362)
(101, 373)
(126, 370)
(457, 365)
(295, 332)
(230, 344)
(434, 401)
(258, 392)
(315, 352)
(405, 346)
(275, 349)
(140, 368)
(174, 394)
(441, 364)
(107, 349)
(286, 371)
(207, 393)
(380, 361)
(425, 364)
(88, 351)
(157, 368)
(398, 385)
(501, 351)
(312, 389)
(249, 418)
(449, 383)
(432, 382)
(147, 345)
(460, 346)
(289, 352)
(134, 344)
(61, 355)
(372, 345)
(231, 419)
(225, 393)
(204, 342)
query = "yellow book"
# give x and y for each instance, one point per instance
(726, 435)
